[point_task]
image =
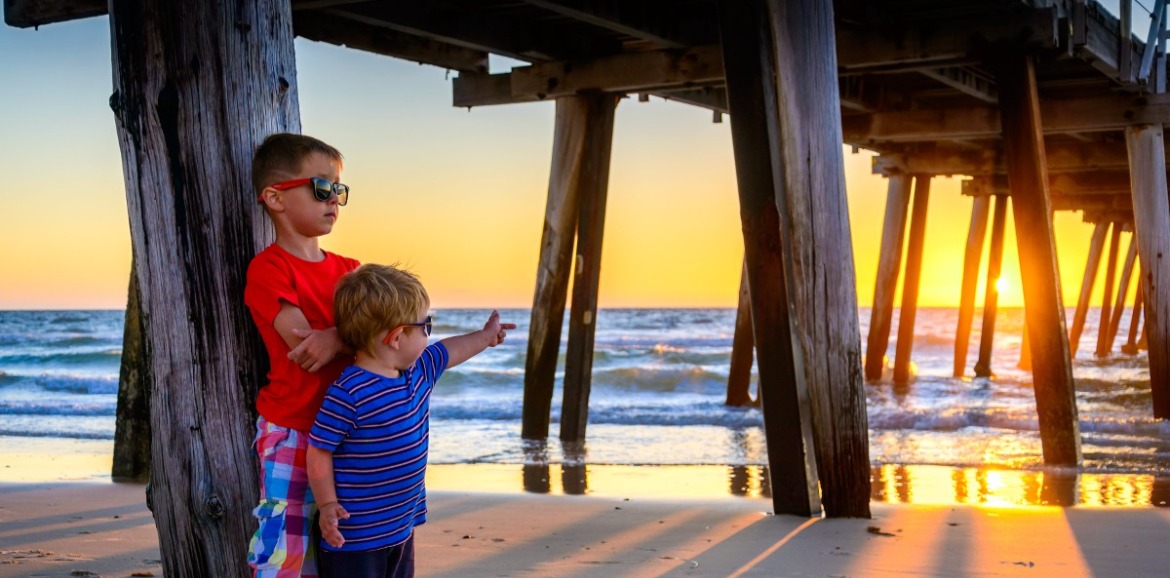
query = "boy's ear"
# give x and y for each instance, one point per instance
(271, 199)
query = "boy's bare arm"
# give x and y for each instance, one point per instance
(310, 348)
(319, 465)
(460, 348)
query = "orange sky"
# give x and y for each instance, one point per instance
(456, 195)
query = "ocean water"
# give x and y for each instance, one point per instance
(659, 381)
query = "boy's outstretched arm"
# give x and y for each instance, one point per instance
(319, 465)
(460, 348)
(310, 348)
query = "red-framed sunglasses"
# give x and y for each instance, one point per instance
(425, 324)
(322, 189)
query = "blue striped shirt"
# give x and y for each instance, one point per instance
(378, 429)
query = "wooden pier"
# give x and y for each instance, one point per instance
(1046, 104)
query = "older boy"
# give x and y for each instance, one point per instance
(368, 448)
(289, 292)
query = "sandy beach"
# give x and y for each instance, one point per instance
(104, 529)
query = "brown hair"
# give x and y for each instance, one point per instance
(281, 155)
(375, 298)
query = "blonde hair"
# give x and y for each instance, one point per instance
(375, 298)
(281, 156)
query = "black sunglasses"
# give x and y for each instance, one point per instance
(322, 189)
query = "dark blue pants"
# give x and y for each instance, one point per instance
(393, 562)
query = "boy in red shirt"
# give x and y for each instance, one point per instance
(289, 292)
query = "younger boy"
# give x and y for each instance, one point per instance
(368, 448)
(289, 292)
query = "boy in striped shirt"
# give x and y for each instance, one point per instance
(367, 452)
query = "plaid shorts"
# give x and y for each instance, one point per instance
(282, 546)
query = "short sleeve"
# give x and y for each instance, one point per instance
(433, 362)
(268, 284)
(335, 421)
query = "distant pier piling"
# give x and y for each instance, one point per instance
(889, 265)
(971, 261)
(1104, 342)
(1092, 263)
(740, 375)
(905, 345)
(991, 291)
(1122, 290)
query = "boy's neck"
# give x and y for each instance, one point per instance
(306, 248)
(385, 365)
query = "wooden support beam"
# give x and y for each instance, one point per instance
(965, 81)
(30, 13)
(340, 28)
(132, 426)
(886, 283)
(594, 185)
(991, 290)
(1151, 211)
(556, 255)
(1122, 291)
(755, 135)
(1091, 202)
(1104, 344)
(1096, 246)
(1027, 171)
(186, 76)
(910, 280)
(739, 377)
(1135, 319)
(813, 169)
(971, 260)
(1063, 157)
(610, 16)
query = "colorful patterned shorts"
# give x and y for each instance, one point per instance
(282, 546)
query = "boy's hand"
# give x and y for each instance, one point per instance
(317, 348)
(330, 514)
(496, 331)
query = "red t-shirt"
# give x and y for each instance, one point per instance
(293, 396)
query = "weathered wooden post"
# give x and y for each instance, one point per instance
(1104, 344)
(556, 256)
(991, 290)
(889, 265)
(746, 36)
(813, 171)
(1032, 209)
(197, 86)
(1135, 319)
(1122, 289)
(590, 228)
(740, 375)
(1096, 246)
(132, 429)
(971, 260)
(1151, 213)
(910, 280)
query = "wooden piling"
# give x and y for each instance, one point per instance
(1151, 212)
(813, 167)
(746, 37)
(1135, 319)
(594, 186)
(556, 254)
(1122, 290)
(1025, 351)
(910, 281)
(1104, 343)
(1044, 309)
(132, 427)
(197, 87)
(991, 291)
(1096, 246)
(971, 260)
(889, 264)
(740, 376)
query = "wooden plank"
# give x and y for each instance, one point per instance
(1122, 291)
(632, 72)
(610, 16)
(337, 28)
(594, 186)
(886, 283)
(1104, 344)
(739, 377)
(1151, 211)
(1027, 171)
(132, 427)
(813, 169)
(556, 256)
(910, 279)
(783, 391)
(469, 90)
(185, 133)
(1096, 246)
(971, 260)
(991, 290)
(1062, 158)
(30, 13)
